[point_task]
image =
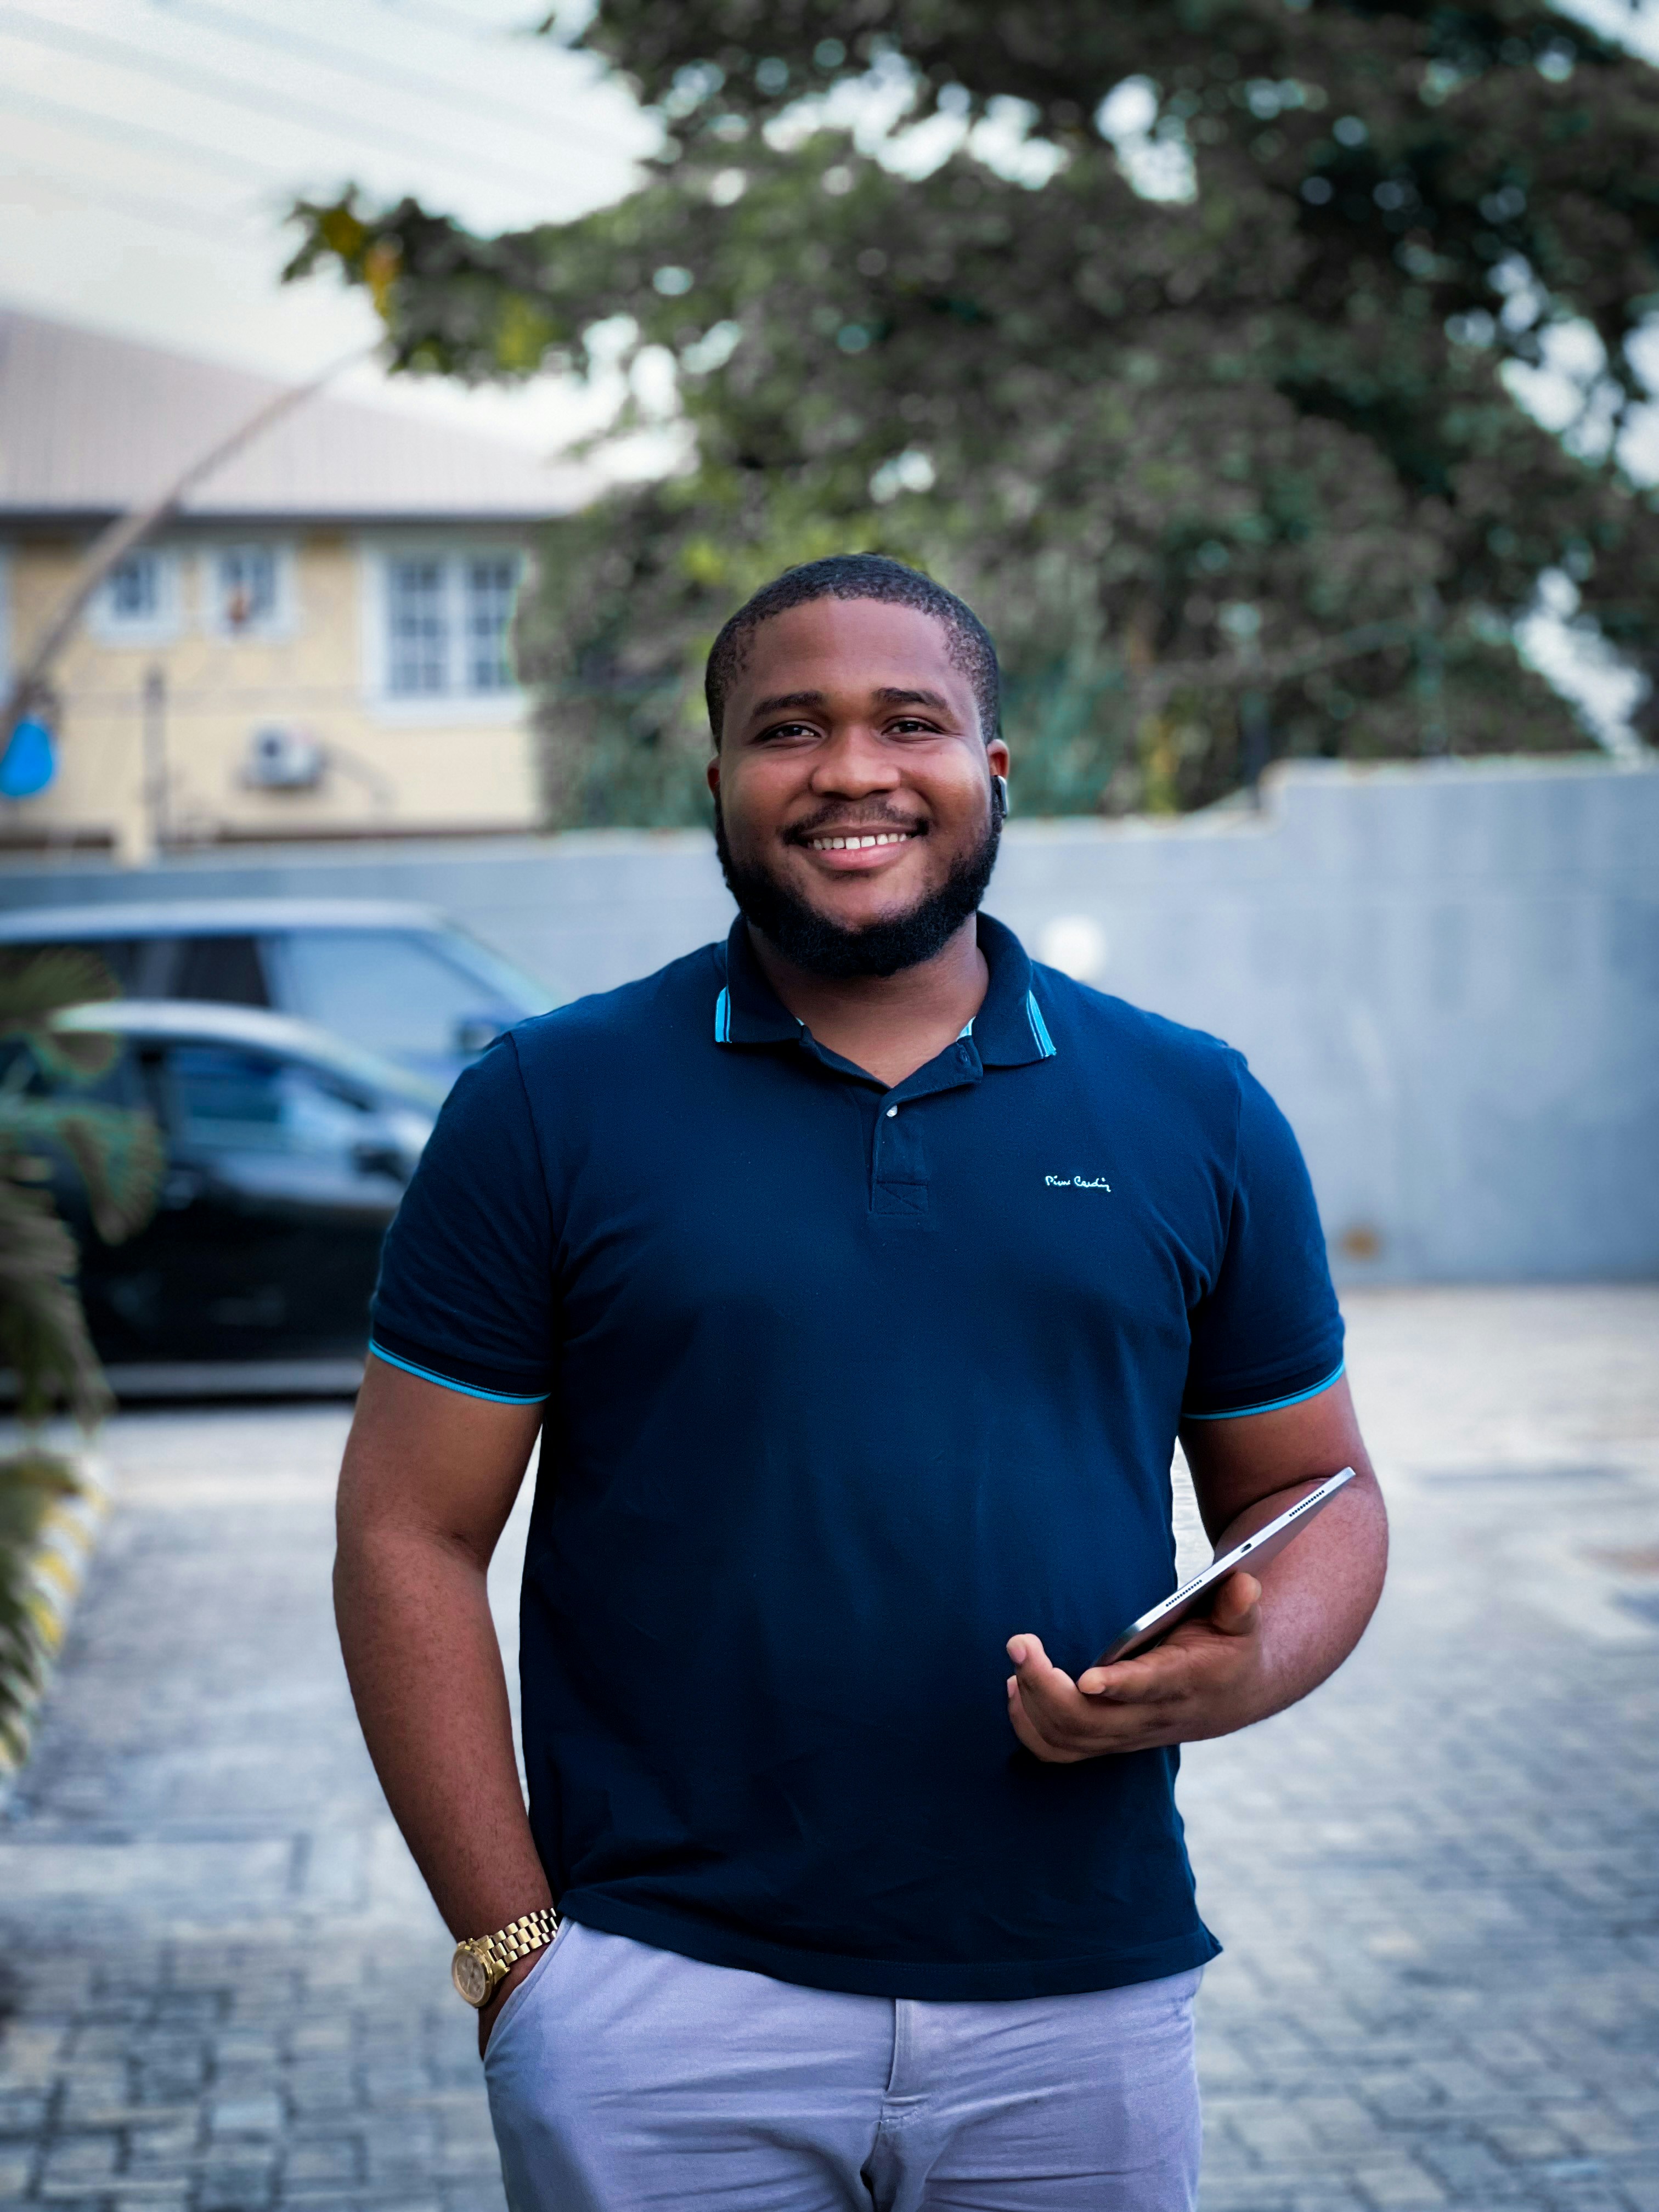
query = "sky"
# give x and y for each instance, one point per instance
(148, 150)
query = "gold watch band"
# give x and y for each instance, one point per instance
(481, 1963)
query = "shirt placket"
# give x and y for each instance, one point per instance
(899, 1173)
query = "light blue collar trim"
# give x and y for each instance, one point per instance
(1039, 1027)
(723, 1017)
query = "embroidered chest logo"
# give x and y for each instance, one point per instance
(1076, 1183)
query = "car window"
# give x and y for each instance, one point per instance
(227, 970)
(227, 1099)
(390, 990)
(22, 1075)
(506, 985)
(122, 955)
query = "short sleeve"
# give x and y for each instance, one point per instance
(465, 1291)
(1269, 1332)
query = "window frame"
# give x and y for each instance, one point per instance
(456, 701)
(212, 598)
(161, 627)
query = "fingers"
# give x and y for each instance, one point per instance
(1195, 1683)
(1127, 1682)
(1036, 1672)
(1235, 1611)
(1046, 1709)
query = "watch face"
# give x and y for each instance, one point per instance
(470, 1975)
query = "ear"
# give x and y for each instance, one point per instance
(996, 756)
(713, 773)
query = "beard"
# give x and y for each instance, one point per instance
(812, 940)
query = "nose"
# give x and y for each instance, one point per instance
(852, 765)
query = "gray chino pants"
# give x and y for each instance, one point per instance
(621, 2077)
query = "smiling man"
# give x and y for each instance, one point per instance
(859, 1278)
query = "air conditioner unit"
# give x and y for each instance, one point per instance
(284, 760)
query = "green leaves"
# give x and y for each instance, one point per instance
(117, 1153)
(44, 1339)
(1107, 419)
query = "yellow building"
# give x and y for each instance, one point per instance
(318, 645)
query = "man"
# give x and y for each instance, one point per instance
(857, 1276)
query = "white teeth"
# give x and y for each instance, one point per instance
(858, 844)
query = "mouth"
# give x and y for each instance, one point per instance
(856, 841)
(856, 849)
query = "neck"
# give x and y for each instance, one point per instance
(890, 1025)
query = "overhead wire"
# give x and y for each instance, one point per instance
(230, 23)
(214, 85)
(172, 215)
(143, 134)
(455, 20)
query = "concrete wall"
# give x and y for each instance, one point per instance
(1447, 975)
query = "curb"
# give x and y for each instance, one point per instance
(51, 1584)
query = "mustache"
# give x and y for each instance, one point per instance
(839, 818)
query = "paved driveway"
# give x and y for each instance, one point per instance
(221, 1986)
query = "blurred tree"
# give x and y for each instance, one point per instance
(1178, 335)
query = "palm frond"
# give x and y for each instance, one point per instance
(34, 985)
(118, 1155)
(43, 1330)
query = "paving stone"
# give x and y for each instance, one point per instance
(333, 2160)
(79, 2161)
(1435, 1880)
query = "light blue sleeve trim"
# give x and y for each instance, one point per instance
(448, 1382)
(1039, 1027)
(723, 1017)
(1242, 1412)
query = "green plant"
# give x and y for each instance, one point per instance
(46, 1129)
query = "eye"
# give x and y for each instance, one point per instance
(911, 726)
(786, 733)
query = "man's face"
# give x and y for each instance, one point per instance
(853, 779)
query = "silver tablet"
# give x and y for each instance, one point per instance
(1255, 1551)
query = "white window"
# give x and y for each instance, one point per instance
(417, 620)
(248, 589)
(448, 624)
(137, 601)
(490, 585)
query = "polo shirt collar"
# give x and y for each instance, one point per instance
(1008, 1031)
(748, 1011)
(1009, 1028)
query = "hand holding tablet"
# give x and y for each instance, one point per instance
(1195, 1595)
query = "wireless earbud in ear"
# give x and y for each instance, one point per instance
(999, 797)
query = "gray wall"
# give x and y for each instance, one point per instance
(1447, 975)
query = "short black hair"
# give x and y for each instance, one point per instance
(860, 576)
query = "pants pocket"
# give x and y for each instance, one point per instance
(519, 2002)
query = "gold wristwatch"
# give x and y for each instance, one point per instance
(483, 1963)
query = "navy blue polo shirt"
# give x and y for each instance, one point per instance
(844, 1386)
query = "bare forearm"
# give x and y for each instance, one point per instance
(1319, 1593)
(425, 1670)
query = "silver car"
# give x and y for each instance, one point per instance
(401, 980)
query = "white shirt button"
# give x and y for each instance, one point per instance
(891, 1112)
